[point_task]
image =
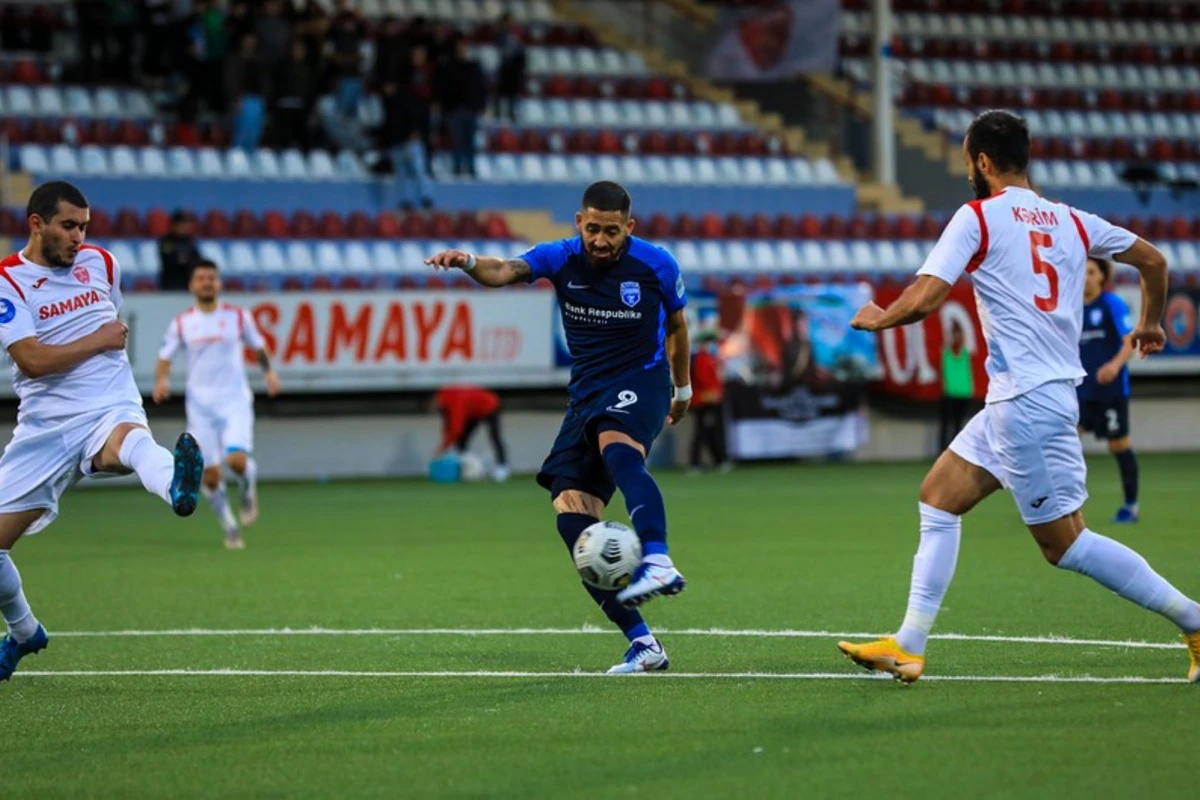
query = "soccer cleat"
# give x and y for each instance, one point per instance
(12, 651)
(189, 468)
(886, 656)
(248, 509)
(1192, 640)
(642, 658)
(235, 541)
(649, 581)
(1125, 515)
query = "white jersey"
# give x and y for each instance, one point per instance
(1027, 257)
(214, 342)
(58, 305)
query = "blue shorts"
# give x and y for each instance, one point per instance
(636, 405)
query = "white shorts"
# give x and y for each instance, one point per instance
(1030, 444)
(45, 458)
(221, 430)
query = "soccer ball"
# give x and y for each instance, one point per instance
(606, 554)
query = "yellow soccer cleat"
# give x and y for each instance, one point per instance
(887, 656)
(1192, 640)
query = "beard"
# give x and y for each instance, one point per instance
(980, 185)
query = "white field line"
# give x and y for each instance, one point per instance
(787, 676)
(592, 630)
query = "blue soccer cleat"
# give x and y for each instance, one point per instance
(649, 581)
(189, 469)
(642, 658)
(12, 651)
(1126, 515)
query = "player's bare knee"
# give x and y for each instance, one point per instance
(573, 501)
(1118, 446)
(14, 525)
(236, 461)
(611, 437)
(212, 477)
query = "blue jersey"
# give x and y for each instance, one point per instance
(614, 316)
(1105, 326)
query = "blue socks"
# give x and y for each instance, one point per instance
(628, 620)
(1127, 461)
(643, 499)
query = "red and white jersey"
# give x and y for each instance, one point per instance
(214, 342)
(58, 305)
(1027, 257)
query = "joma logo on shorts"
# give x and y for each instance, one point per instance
(75, 303)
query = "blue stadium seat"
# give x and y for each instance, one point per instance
(33, 158)
(20, 102)
(49, 101)
(63, 160)
(124, 161)
(78, 103)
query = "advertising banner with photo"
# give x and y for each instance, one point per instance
(774, 39)
(1181, 354)
(795, 372)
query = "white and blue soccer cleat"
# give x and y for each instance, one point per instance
(12, 651)
(642, 658)
(649, 581)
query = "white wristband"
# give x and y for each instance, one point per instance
(683, 393)
(471, 261)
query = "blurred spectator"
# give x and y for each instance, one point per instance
(295, 85)
(177, 253)
(511, 78)
(156, 39)
(393, 53)
(311, 25)
(441, 40)
(274, 34)
(958, 387)
(240, 23)
(708, 405)
(215, 38)
(244, 88)
(344, 51)
(463, 408)
(406, 129)
(462, 95)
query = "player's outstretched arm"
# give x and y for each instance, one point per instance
(1148, 337)
(37, 360)
(917, 302)
(679, 353)
(270, 376)
(485, 270)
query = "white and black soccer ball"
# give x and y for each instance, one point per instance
(606, 554)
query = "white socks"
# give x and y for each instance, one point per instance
(1116, 567)
(21, 622)
(220, 506)
(153, 464)
(933, 569)
(248, 481)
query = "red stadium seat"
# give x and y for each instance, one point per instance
(856, 228)
(654, 143)
(331, 226)
(686, 227)
(387, 226)
(1179, 228)
(905, 228)
(302, 225)
(1138, 226)
(657, 89)
(880, 228)
(681, 144)
(100, 223)
(415, 226)
(127, 224)
(495, 226)
(504, 141)
(441, 226)
(158, 223)
(659, 227)
(834, 227)
(466, 226)
(736, 227)
(581, 142)
(532, 141)
(809, 227)
(25, 71)
(1157, 228)
(275, 226)
(929, 228)
(760, 226)
(245, 224)
(216, 225)
(358, 226)
(607, 142)
(711, 226)
(130, 133)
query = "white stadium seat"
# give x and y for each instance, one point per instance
(127, 257)
(292, 165)
(153, 162)
(271, 258)
(299, 257)
(237, 164)
(266, 165)
(34, 159)
(124, 161)
(63, 160)
(148, 260)
(329, 258)
(242, 258)
(215, 251)
(383, 258)
(180, 163)
(208, 163)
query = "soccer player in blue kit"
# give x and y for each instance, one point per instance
(622, 302)
(1104, 350)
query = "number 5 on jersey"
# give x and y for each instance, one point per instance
(1038, 239)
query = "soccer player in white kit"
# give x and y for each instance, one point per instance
(220, 405)
(79, 410)
(1027, 257)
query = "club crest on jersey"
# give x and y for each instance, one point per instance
(631, 293)
(81, 274)
(7, 311)
(1097, 316)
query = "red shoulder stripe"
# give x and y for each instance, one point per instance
(12, 261)
(981, 252)
(1087, 245)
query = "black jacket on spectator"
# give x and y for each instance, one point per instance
(177, 255)
(460, 84)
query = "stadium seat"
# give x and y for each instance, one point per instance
(266, 165)
(329, 258)
(299, 258)
(63, 160)
(34, 159)
(181, 163)
(270, 258)
(242, 258)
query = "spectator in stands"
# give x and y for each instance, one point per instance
(244, 88)
(708, 404)
(295, 85)
(406, 120)
(462, 95)
(215, 37)
(157, 24)
(511, 78)
(958, 386)
(240, 23)
(344, 52)
(393, 53)
(311, 25)
(177, 253)
(463, 409)
(273, 32)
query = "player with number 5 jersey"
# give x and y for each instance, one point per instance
(622, 301)
(1027, 258)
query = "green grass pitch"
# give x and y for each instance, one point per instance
(410, 712)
